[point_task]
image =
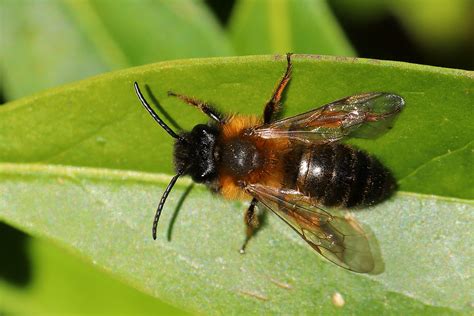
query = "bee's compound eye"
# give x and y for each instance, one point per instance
(201, 160)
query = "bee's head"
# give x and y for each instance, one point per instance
(194, 153)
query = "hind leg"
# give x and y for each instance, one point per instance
(252, 223)
(273, 105)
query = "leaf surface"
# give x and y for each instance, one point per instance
(90, 167)
(47, 43)
(102, 124)
(105, 216)
(298, 26)
(64, 284)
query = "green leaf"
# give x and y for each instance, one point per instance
(442, 26)
(364, 10)
(150, 31)
(68, 178)
(47, 43)
(102, 124)
(63, 284)
(300, 26)
(105, 216)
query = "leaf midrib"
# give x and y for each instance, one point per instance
(280, 35)
(107, 174)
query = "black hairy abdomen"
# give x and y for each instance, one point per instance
(342, 176)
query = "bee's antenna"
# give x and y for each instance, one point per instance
(153, 113)
(162, 202)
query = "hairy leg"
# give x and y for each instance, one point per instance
(206, 108)
(273, 106)
(251, 222)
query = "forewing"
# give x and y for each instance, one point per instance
(363, 115)
(339, 239)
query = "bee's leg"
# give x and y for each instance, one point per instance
(206, 108)
(251, 222)
(273, 106)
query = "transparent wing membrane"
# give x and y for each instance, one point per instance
(363, 115)
(341, 240)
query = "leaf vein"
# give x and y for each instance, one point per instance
(438, 157)
(83, 139)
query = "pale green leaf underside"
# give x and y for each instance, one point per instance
(106, 215)
(61, 283)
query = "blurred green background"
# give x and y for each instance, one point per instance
(46, 43)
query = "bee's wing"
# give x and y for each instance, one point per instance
(339, 239)
(363, 115)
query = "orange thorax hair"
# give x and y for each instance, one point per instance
(271, 170)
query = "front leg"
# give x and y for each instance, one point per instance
(205, 108)
(251, 222)
(273, 106)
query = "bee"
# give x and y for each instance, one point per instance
(295, 166)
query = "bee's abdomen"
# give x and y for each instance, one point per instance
(339, 175)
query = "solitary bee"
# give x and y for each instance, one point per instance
(293, 166)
